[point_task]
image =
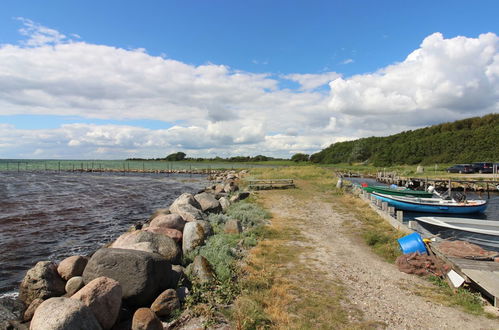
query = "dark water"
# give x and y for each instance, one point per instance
(50, 216)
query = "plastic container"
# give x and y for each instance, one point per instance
(412, 243)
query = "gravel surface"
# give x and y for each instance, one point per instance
(373, 286)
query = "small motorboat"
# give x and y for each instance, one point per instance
(432, 205)
(396, 191)
(486, 227)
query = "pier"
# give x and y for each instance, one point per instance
(465, 184)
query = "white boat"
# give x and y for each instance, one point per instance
(486, 227)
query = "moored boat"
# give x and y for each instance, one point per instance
(397, 191)
(432, 205)
(486, 227)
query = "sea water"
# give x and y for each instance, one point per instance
(51, 215)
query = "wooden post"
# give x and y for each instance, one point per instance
(391, 210)
(384, 206)
(400, 215)
(59, 167)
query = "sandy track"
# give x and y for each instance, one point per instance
(373, 286)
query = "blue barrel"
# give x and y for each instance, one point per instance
(412, 243)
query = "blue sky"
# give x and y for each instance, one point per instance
(116, 79)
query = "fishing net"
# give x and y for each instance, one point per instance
(421, 264)
(463, 249)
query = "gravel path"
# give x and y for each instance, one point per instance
(373, 286)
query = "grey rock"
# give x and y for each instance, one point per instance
(42, 281)
(187, 207)
(11, 309)
(201, 269)
(193, 236)
(239, 196)
(208, 202)
(207, 228)
(72, 266)
(224, 203)
(62, 314)
(149, 242)
(103, 296)
(159, 212)
(233, 226)
(73, 285)
(173, 221)
(142, 275)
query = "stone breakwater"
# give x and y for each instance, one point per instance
(133, 282)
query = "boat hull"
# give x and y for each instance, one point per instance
(397, 192)
(418, 206)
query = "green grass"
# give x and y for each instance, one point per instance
(466, 300)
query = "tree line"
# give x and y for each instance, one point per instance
(463, 141)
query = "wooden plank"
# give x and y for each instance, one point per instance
(487, 280)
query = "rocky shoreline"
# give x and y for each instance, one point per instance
(134, 282)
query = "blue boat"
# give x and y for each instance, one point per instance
(432, 205)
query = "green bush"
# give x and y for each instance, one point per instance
(249, 214)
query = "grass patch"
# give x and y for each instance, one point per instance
(440, 292)
(375, 231)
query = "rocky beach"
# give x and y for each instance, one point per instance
(135, 281)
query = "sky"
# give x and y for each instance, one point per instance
(118, 79)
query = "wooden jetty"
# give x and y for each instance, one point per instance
(482, 275)
(439, 183)
(271, 184)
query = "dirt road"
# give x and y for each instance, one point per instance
(376, 288)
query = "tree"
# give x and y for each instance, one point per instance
(299, 157)
(175, 156)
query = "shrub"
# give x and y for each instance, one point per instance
(250, 215)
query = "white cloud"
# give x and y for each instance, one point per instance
(348, 61)
(220, 110)
(457, 75)
(312, 81)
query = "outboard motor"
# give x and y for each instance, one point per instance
(459, 197)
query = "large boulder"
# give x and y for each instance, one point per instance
(173, 221)
(208, 202)
(103, 296)
(224, 203)
(174, 234)
(62, 314)
(166, 303)
(187, 207)
(72, 266)
(142, 275)
(193, 236)
(149, 242)
(42, 281)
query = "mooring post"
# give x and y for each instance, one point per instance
(391, 210)
(400, 215)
